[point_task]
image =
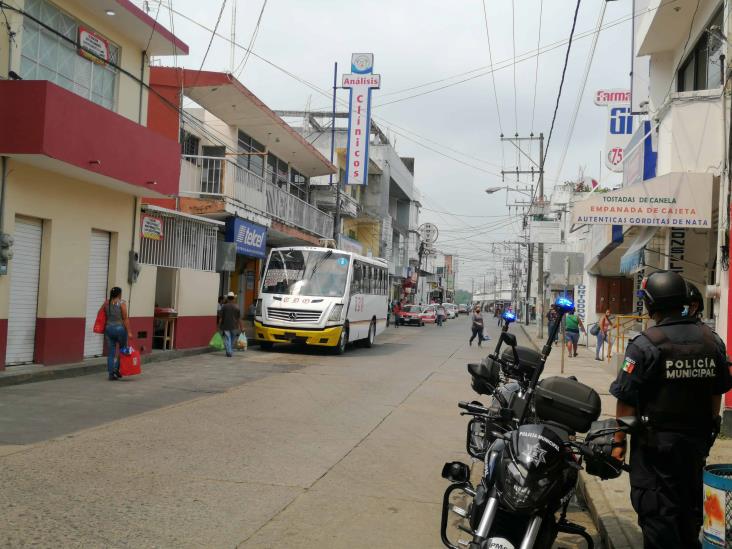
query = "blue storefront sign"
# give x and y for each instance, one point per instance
(250, 238)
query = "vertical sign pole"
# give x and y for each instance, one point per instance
(336, 221)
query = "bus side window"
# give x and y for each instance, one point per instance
(383, 281)
(356, 281)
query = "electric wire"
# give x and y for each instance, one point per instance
(210, 42)
(243, 63)
(515, 92)
(490, 59)
(581, 92)
(536, 73)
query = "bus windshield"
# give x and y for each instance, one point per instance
(306, 273)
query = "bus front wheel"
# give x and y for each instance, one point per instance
(340, 348)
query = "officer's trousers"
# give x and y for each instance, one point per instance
(666, 490)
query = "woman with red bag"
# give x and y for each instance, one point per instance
(116, 330)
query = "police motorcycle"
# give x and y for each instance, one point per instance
(504, 377)
(530, 471)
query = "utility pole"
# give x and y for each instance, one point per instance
(540, 262)
(536, 169)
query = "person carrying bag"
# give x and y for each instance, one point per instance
(477, 327)
(117, 331)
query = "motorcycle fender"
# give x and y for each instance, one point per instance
(499, 543)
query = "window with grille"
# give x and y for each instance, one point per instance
(252, 162)
(189, 144)
(186, 244)
(47, 56)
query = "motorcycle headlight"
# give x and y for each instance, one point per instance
(335, 313)
(258, 308)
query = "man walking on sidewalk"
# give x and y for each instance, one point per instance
(673, 377)
(229, 322)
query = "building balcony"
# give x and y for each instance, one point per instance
(224, 179)
(691, 133)
(56, 130)
(325, 198)
(664, 26)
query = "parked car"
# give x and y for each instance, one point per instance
(463, 308)
(411, 314)
(450, 310)
(429, 314)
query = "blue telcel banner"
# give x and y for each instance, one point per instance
(250, 238)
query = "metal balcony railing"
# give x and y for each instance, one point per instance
(220, 177)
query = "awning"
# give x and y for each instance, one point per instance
(634, 258)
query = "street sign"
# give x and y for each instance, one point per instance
(566, 268)
(545, 232)
(428, 233)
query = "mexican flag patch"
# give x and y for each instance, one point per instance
(629, 365)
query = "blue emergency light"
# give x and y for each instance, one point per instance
(509, 316)
(564, 304)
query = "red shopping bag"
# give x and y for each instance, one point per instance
(129, 362)
(101, 322)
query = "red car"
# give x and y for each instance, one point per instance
(411, 314)
(429, 314)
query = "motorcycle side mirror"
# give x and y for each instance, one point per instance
(629, 424)
(509, 339)
(456, 471)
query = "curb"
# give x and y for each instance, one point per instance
(48, 373)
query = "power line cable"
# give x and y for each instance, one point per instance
(243, 63)
(490, 58)
(561, 82)
(210, 42)
(515, 92)
(580, 94)
(536, 73)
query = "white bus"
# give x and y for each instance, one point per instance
(321, 296)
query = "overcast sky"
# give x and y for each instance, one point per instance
(420, 41)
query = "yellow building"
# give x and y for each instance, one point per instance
(77, 158)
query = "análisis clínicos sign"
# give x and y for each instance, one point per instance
(359, 83)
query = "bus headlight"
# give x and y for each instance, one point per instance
(258, 308)
(335, 313)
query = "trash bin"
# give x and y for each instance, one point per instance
(717, 506)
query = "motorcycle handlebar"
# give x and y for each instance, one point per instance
(473, 408)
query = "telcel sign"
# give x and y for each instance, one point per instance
(250, 239)
(360, 83)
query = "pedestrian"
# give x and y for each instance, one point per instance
(603, 334)
(477, 327)
(397, 310)
(116, 330)
(572, 326)
(388, 313)
(440, 311)
(672, 377)
(230, 322)
(551, 318)
(499, 314)
(218, 310)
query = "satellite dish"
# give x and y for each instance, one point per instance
(428, 233)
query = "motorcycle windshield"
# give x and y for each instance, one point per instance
(537, 448)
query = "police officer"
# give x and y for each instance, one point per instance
(672, 378)
(696, 302)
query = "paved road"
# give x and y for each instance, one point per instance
(289, 448)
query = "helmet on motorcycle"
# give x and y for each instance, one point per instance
(696, 300)
(664, 291)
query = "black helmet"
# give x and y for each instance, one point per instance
(695, 297)
(664, 291)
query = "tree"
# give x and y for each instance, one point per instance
(463, 296)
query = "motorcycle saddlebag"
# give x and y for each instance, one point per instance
(529, 360)
(567, 402)
(485, 376)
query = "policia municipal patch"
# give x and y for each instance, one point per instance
(697, 368)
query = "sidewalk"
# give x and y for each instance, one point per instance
(608, 501)
(31, 373)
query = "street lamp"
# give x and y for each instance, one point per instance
(527, 192)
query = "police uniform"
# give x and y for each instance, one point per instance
(670, 375)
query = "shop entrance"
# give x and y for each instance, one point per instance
(244, 282)
(166, 308)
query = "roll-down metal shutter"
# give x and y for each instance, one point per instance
(25, 271)
(96, 290)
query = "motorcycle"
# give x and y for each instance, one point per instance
(532, 460)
